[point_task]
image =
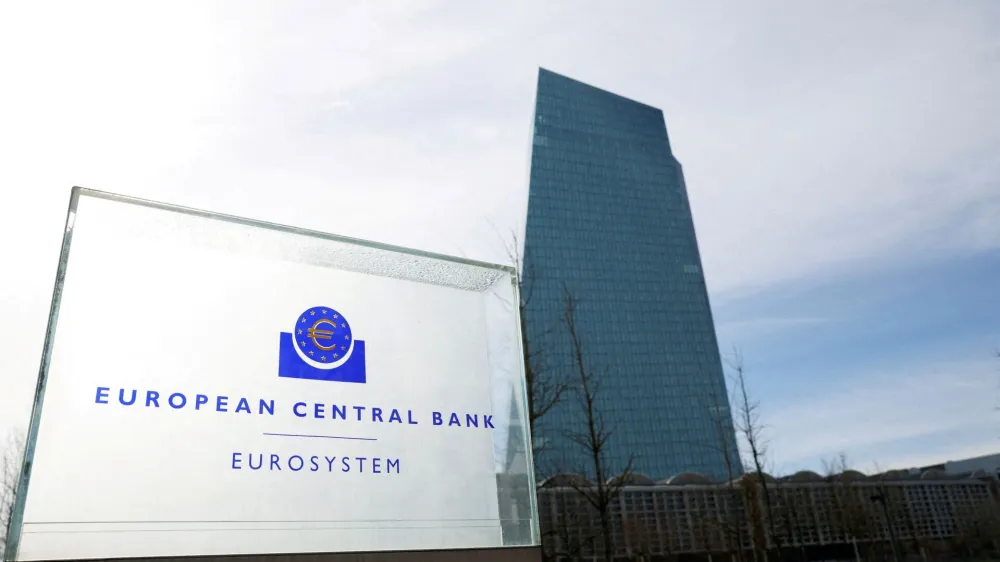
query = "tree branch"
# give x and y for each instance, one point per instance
(545, 388)
(595, 434)
(10, 471)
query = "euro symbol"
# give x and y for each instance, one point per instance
(315, 333)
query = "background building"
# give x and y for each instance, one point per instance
(987, 464)
(838, 517)
(609, 221)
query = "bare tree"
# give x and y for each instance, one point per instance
(753, 511)
(545, 386)
(977, 529)
(595, 434)
(852, 516)
(797, 515)
(783, 511)
(572, 533)
(896, 513)
(638, 538)
(734, 518)
(750, 426)
(10, 470)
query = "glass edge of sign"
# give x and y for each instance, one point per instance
(16, 521)
(288, 229)
(536, 532)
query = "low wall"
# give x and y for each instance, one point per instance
(530, 554)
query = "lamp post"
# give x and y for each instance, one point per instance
(880, 499)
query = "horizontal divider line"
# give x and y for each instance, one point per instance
(320, 436)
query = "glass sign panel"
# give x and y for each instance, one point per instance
(216, 385)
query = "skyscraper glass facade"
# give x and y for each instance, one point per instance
(609, 222)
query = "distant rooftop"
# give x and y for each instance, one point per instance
(566, 479)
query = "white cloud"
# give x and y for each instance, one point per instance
(767, 325)
(877, 408)
(821, 138)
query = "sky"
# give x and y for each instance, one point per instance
(842, 161)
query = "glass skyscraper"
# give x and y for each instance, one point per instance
(609, 222)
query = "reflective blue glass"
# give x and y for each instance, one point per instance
(609, 220)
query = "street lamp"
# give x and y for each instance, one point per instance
(880, 499)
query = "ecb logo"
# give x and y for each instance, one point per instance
(321, 347)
